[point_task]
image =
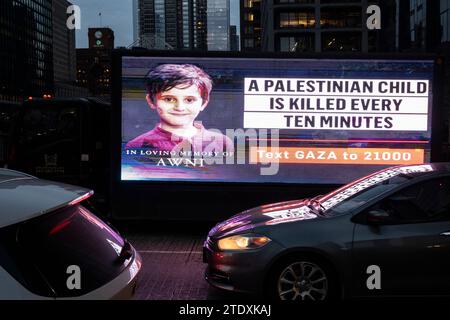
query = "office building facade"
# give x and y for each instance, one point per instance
(172, 24)
(64, 53)
(218, 22)
(424, 24)
(445, 21)
(340, 25)
(315, 26)
(234, 39)
(26, 53)
(251, 27)
(135, 20)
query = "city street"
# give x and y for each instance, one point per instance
(304, 143)
(172, 265)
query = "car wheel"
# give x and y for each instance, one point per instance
(301, 279)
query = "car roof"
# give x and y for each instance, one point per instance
(435, 169)
(7, 175)
(24, 197)
(441, 166)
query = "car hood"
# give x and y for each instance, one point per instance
(271, 214)
(26, 197)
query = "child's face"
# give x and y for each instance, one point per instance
(179, 106)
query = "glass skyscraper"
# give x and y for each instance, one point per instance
(26, 53)
(172, 24)
(218, 20)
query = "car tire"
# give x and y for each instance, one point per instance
(301, 278)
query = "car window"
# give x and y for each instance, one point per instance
(422, 202)
(45, 125)
(72, 236)
(359, 192)
(366, 195)
(360, 199)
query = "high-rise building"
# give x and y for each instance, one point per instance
(445, 21)
(316, 26)
(250, 15)
(234, 39)
(135, 20)
(26, 53)
(194, 24)
(424, 26)
(218, 21)
(94, 63)
(64, 57)
(64, 53)
(339, 25)
(172, 24)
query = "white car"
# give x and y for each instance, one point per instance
(52, 247)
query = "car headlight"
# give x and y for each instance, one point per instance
(242, 242)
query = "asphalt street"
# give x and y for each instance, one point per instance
(172, 264)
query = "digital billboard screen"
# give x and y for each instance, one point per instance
(272, 120)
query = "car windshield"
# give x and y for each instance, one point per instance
(357, 193)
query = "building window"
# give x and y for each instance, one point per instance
(294, 1)
(339, 1)
(296, 19)
(249, 17)
(248, 3)
(445, 20)
(248, 30)
(249, 43)
(341, 17)
(297, 43)
(341, 41)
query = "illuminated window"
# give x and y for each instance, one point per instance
(297, 19)
(341, 17)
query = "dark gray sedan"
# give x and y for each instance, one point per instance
(387, 234)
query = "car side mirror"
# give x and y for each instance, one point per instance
(377, 217)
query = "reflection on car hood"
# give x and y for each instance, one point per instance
(23, 197)
(270, 214)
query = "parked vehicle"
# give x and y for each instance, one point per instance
(53, 247)
(393, 225)
(65, 140)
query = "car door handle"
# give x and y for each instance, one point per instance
(447, 234)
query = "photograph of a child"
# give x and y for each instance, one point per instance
(178, 93)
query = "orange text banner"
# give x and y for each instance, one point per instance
(382, 156)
